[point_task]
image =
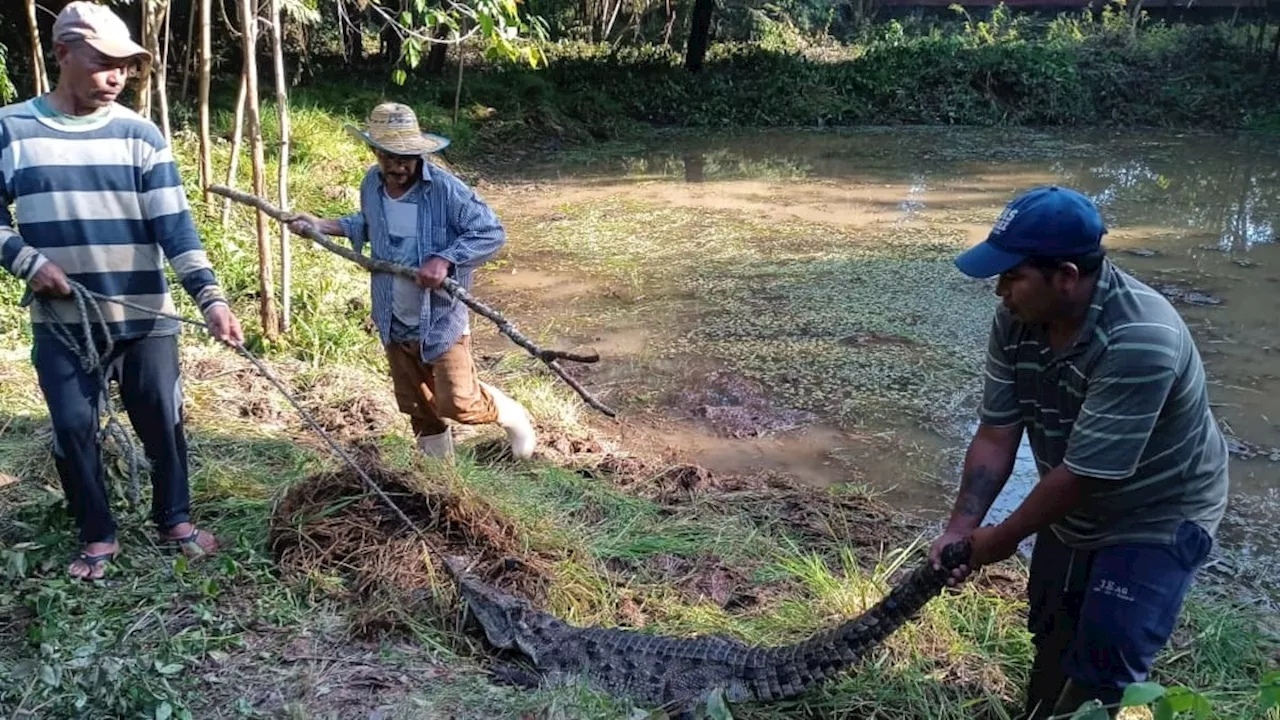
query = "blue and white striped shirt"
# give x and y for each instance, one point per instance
(101, 198)
(453, 223)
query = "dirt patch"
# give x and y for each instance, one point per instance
(350, 417)
(332, 524)
(344, 405)
(736, 407)
(816, 515)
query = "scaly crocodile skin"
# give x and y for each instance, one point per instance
(677, 673)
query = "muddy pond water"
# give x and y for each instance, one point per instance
(786, 300)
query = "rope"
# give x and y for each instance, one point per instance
(92, 360)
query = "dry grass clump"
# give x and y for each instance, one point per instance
(330, 524)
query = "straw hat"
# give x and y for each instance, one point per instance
(393, 128)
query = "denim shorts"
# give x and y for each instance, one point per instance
(1110, 611)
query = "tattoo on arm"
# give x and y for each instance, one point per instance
(978, 489)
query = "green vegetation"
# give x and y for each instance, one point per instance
(1072, 70)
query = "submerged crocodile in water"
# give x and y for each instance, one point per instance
(677, 674)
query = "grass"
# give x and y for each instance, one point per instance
(212, 640)
(236, 638)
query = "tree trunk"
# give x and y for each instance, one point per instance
(249, 35)
(439, 52)
(1275, 50)
(282, 108)
(699, 34)
(38, 70)
(588, 18)
(350, 34)
(1136, 18)
(457, 93)
(671, 23)
(206, 65)
(142, 103)
(190, 57)
(236, 135)
(613, 17)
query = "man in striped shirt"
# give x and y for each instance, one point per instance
(1103, 375)
(98, 201)
(415, 213)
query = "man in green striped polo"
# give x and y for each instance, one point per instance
(1104, 377)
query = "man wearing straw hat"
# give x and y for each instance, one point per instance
(415, 213)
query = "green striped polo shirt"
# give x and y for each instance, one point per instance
(1126, 404)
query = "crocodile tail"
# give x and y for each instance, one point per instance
(777, 673)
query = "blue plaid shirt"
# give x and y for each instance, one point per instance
(453, 223)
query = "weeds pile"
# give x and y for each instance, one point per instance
(330, 525)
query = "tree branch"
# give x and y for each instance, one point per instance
(550, 357)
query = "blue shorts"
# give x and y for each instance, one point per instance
(1100, 617)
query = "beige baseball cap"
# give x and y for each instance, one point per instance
(100, 28)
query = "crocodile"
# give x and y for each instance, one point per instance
(678, 674)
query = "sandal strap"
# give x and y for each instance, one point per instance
(98, 559)
(190, 538)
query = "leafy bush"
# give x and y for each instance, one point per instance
(1001, 70)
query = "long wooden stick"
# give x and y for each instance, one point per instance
(550, 357)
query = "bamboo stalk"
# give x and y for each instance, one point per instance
(236, 140)
(550, 357)
(206, 66)
(189, 61)
(38, 69)
(143, 101)
(282, 109)
(266, 287)
(162, 68)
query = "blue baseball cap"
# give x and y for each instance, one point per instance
(1045, 222)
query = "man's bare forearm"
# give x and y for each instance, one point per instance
(987, 466)
(1058, 493)
(331, 228)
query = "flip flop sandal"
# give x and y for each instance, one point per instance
(93, 562)
(188, 545)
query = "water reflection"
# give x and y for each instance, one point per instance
(1225, 188)
(914, 202)
(1232, 202)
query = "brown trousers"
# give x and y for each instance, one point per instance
(447, 388)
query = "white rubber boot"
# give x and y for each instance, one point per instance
(516, 421)
(437, 446)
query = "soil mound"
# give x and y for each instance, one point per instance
(331, 524)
